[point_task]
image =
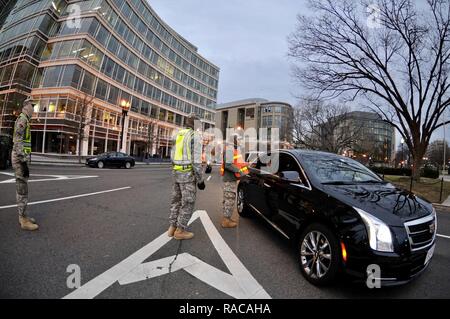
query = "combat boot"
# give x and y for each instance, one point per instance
(31, 219)
(26, 224)
(228, 223)
(171, 231)
(181, 234)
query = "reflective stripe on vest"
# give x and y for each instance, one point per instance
(237, 162)
(182, 160)
(26, 140)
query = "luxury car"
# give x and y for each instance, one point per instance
(111, 159)
(341, 216)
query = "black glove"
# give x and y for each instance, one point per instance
(201, 186)
(26, 171)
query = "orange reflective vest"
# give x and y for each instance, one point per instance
(238, 163)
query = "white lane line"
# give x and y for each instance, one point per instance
(443, 236)
(69, 197)
(49, 178)
(239, 284)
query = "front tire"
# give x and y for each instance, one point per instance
(242, 207)
(320, 254)
(100, 164)
(127, 165)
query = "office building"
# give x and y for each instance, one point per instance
(85, 63)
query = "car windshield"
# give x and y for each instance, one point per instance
(339, 170)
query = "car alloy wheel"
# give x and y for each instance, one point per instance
(316, 255)
(240, 200)
(100, 164)
(127, 165)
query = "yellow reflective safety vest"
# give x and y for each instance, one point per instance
(182, 152)
(26, 140)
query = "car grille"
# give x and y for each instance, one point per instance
(421, 232)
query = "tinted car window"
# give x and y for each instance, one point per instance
(329, 169)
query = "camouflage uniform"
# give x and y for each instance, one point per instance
(229, 184)
(184, 193)
(18, 157)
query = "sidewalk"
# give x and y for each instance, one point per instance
(39, 159)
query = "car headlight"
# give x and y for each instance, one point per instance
(380, 236)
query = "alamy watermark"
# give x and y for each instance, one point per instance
(373, 276)
(374, 16)
(74, 279)
(74, 18)
(254, 146)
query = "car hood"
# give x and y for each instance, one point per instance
(384, 201)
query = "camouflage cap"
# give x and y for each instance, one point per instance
(190, 120)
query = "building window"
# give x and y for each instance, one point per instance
(51, 76)
(101, 89)
(250, 113)
(88, 83)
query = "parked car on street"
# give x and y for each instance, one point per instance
(111, 159)
(341, 216)
(6, 145)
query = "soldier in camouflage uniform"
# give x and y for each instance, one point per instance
(232, 167)
(187, 175)
(20, 158)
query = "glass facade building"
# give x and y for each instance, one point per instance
(375, 138)
(81, 60)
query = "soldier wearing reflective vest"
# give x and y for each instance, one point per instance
(233, 169)
(20, 158)
(187, 176)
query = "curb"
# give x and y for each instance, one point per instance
(443, 207)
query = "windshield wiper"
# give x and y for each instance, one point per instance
(338, 183)
(372, 182)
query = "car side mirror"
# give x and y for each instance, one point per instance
(290, 176)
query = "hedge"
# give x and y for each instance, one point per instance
(424, 172)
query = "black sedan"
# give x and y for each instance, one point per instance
(111, 159)
(341, 216)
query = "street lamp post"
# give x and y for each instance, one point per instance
(445, 146)
(125, 105)
(402, 142)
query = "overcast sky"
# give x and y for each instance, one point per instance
(246, 39)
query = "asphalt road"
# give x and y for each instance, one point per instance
(108, 234)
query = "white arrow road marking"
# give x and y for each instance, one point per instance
(443, 236)
(239, 284)
(69, 197)
(53, 178)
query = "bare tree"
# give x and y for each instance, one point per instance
(396, 59)
(83, 104)
(325, 127)
(151, 137)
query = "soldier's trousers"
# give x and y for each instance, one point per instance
(229, 198)
(21, 189)
(183, 203)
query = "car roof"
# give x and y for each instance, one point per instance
(309, 152)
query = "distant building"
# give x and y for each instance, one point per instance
(116, 54)
(256, 113)
(376, 138)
